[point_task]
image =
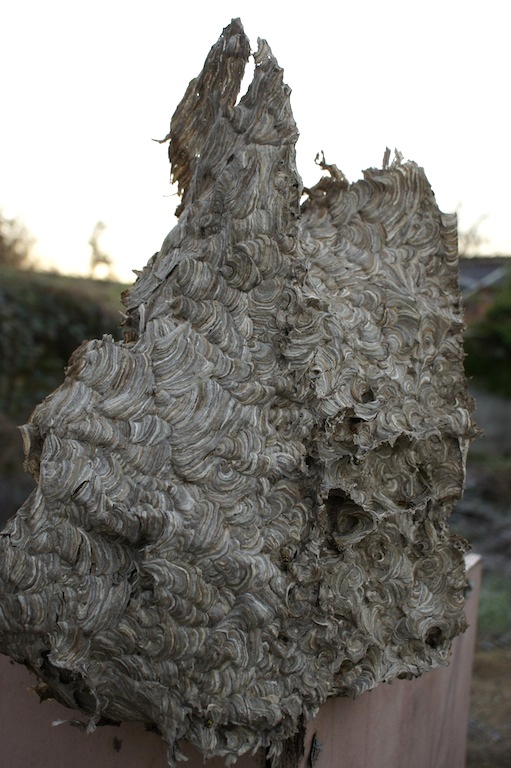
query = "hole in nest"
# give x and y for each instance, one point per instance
(434, 637)
(367, 396)
(246, 80)
(354, 423)
(348, 522)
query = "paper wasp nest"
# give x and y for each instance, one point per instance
(241, 508)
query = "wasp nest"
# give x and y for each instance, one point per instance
(241, 508)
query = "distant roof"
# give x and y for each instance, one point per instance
(477, 272)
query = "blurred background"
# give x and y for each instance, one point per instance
(85, 197)
(88, 86)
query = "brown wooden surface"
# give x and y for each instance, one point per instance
(420, 723)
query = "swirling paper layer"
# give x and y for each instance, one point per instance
(241, 509)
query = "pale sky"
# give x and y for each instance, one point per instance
(86, 86)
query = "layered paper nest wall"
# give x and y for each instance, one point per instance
(241, 508)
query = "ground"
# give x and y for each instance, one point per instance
(484, 518)
(489, 730)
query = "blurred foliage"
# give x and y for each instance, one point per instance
(494, 618)
(488, 344)
(483, 517)
(15, 244)
(43, 318)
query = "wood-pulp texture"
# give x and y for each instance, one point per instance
(241, 508)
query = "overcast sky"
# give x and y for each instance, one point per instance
(87, 86)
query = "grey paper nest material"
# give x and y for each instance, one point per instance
(241, 508)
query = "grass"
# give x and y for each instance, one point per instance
(494, 620)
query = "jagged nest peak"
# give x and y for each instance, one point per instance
(212, 97)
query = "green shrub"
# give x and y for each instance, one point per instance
(43, 318)
(488, 345)
(494, 606)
